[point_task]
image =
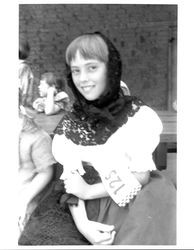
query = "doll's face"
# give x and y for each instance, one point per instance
(89, 76)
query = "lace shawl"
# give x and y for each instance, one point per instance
(84, 131)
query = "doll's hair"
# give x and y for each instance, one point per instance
(24, 49)
(89, 46)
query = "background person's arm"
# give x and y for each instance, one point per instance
(50, 107)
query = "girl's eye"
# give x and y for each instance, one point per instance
(92, 68)
(75, 71)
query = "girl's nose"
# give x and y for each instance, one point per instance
(83, 76)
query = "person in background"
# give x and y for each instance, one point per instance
(25, 74)
(52, 96)
(113, 193)
(35, 165)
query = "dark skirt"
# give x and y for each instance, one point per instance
(149, 219)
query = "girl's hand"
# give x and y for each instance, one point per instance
(97, 233)
(75, 184)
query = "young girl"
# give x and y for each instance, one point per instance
(26, 76)
(53, 97)
(35, 168)
(105, 144)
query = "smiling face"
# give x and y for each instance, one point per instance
(89, 76)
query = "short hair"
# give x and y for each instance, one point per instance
(24, 50)
(50, 78)
(90, 46)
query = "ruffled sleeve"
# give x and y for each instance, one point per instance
(62, 100)
(141, 135)
(67, 154)
(128, 150)
(133, 144)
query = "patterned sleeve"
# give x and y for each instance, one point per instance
(63, 104)
(134, 143)
(42, 152)
(62, 100)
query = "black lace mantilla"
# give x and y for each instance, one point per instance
(92, 122)
(85, 131)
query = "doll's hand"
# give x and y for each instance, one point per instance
(75, 184)
(97, 233)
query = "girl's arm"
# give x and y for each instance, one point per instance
(79, 213)
(98, 190)
(76, 185)
(96, 233)
(50, 107)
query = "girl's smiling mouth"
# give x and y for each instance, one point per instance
(87, 88)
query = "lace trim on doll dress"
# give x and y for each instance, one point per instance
(79, 130)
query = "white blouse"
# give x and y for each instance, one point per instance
(132, 145)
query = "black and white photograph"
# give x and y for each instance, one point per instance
(97, 110)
